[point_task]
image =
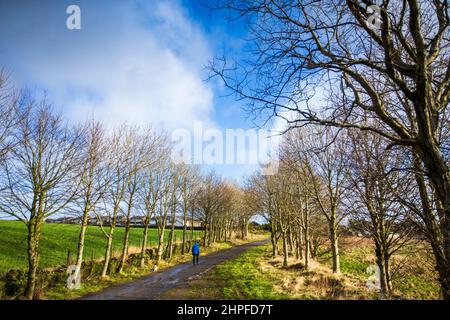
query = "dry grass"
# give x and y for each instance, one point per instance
(318, 282)
(256, 275)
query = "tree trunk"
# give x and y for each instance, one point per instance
(210, 228)
(306, 235)
(437, 169)
(246, 221)
(124, 255)
(185, 219)
(290, 241)
(171, 240)
(439, 174)
(192, 224)
(299, 245)
(274, 247)
(387, 272)
(334, 247)
(314, 248)
(441, 248)
(144, 245)
(273, 239)
(285, 250)
(107, 253)
(81, 238)
(379, 253)
(204, 235)
(34, 234)
(159, 252)
(444, 277)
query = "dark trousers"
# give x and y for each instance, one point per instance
(195, 258)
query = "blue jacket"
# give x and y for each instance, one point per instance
(195, 249)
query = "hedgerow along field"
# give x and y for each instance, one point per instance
(57, 239)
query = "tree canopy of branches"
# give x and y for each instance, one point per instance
(377, 66)
(40, 175)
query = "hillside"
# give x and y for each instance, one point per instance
(57, 239)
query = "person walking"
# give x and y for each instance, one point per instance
(195, 253)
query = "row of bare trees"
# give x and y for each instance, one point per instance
(115, 177)
(378, 67)
(330, 182)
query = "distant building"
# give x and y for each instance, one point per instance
(135, 221)
(65, 220)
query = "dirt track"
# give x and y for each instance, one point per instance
(152, 286)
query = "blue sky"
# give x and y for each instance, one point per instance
(136, 61)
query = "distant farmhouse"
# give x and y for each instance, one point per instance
(121, 221)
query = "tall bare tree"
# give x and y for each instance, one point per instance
(118, 168)
(328, 173)
(188, 190)
(151, 181)
(93, 180)
(141, 146)
(166, 190)
(40, 175)
(375, 182)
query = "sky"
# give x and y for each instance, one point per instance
(142, 62)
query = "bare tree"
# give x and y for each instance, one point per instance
(188, 190)
(375, 182)
(140, 145)
(40, 175)
(295, 155)
(93, 181)
(151, 181)
(174, 204)
(209, 203)
(118, 169)
(263, 188)
(328, 172)
(166, 189)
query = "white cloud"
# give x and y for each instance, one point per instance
(140, 64)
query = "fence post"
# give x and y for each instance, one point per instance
(69, 257)
(92, 262)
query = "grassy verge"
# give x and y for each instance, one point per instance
(244, 278)
(256, 275)
(96, 284)
(412, 268)
(57, 239)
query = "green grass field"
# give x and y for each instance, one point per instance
(57, 239)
